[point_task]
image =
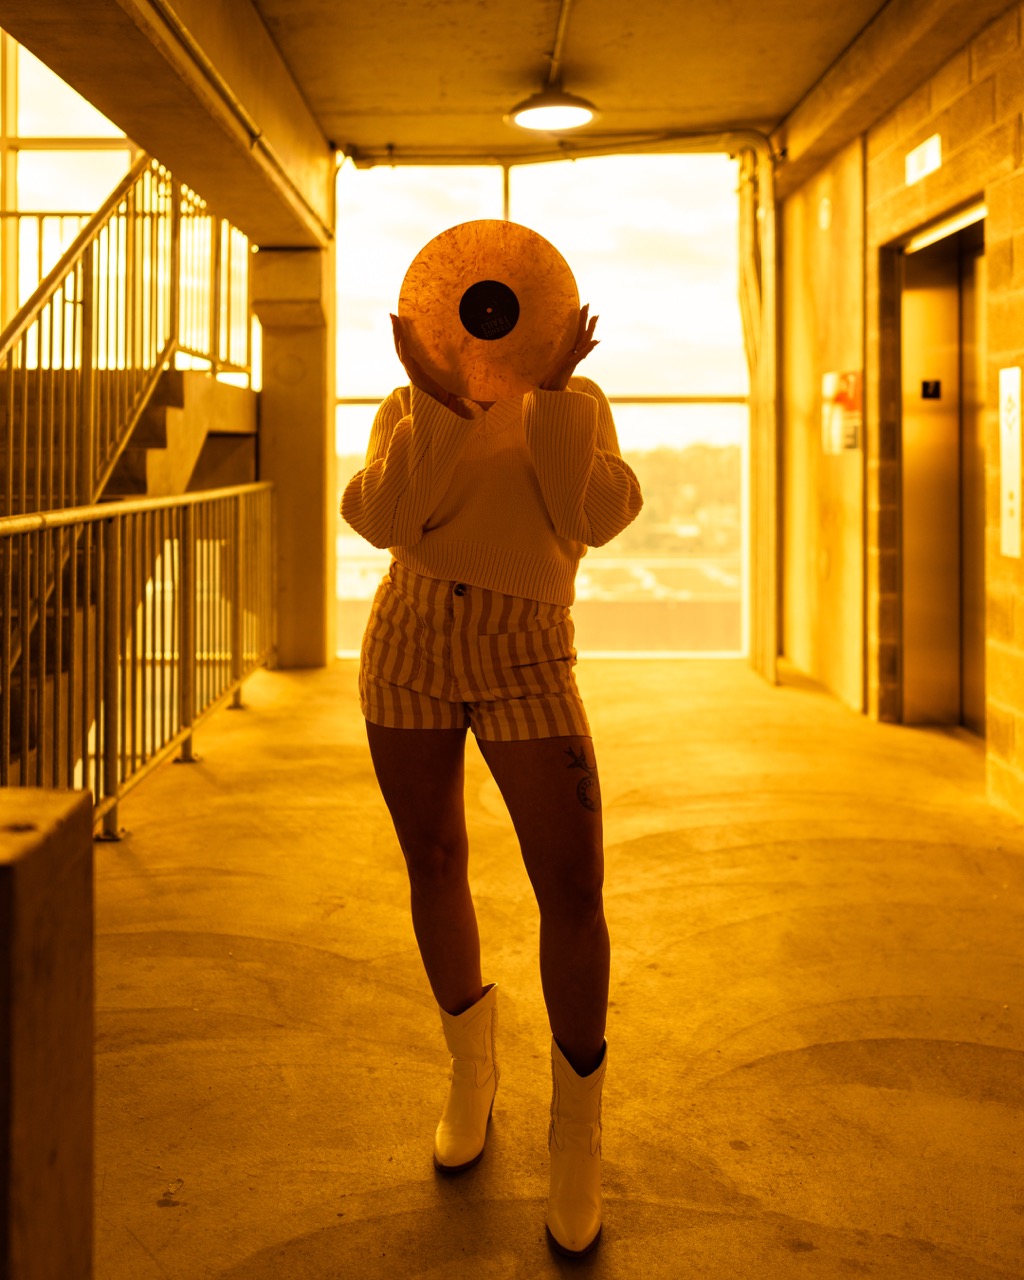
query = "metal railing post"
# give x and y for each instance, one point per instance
(188, 631)
(237, 612)
(111, 673)
(248, 309)
(174, 330)
(87, 386)
(215, 302)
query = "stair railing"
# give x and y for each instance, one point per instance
(149, 615)
(152, 273)
(32, 242)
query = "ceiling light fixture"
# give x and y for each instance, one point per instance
(552, 109)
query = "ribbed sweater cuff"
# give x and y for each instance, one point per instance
(438, 428)
(569, 408)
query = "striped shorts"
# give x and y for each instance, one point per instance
(445, 655)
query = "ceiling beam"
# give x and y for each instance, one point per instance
(896, 52)
(203, 88)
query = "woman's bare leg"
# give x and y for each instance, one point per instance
(420, 772)
(551, 790)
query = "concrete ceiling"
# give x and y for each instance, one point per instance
(242, 97)
(433, 78)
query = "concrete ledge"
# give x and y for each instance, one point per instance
(46, 1035)
(203, 88)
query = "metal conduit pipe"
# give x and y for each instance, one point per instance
(257, 142)
(555, 65)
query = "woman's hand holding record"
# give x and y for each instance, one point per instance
(419, 377)
(558, 378)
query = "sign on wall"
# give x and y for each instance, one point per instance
(842, 411)
(1009, 462)
(923, 160)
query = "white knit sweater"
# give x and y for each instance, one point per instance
(509, 499)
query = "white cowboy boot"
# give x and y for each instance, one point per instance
(459, 1140)
(574, 1142)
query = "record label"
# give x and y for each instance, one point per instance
(489, 310)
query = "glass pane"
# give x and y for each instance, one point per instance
(659, 264)
(673, 580)
(385, 217)
(69, 181)
(360, 566)
(652, 242)
(49, 108)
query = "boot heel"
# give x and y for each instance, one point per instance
(448, 1170)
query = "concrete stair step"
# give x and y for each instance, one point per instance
(187, 408)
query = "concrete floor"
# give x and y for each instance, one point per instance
(816, 1042)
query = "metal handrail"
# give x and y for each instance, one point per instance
(147, 615)
(29, 310)
(34, 520)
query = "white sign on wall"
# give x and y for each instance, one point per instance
(1009, 462)
(923, 160)
(842, 411)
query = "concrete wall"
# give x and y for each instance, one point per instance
(822, 235)
(974, 102)
(47, 1034)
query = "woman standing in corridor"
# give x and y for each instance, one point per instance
(487, 509)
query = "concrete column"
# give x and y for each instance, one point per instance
(294, 297)
(46, 1035)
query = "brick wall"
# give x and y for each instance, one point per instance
(975, 103)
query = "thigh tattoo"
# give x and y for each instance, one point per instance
(588, 790)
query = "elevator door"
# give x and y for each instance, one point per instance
(943, 467)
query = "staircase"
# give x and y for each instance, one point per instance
(153, 281)
(95, 417)
(182, 433)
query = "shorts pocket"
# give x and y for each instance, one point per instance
(393, 643)
(531, 662)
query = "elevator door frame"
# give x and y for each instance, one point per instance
(936, 573)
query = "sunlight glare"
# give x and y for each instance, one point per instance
(49, 108)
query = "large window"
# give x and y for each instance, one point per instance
(59, 160)
(652, 241)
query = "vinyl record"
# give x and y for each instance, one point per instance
(488, 308)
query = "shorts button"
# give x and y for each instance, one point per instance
(460, 588)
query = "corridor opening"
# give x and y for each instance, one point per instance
(943, 478)
(653, 241)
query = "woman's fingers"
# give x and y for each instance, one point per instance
(585, 342)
